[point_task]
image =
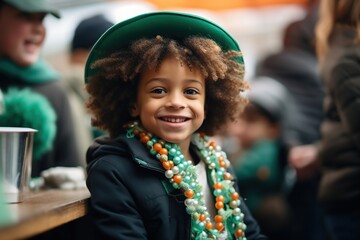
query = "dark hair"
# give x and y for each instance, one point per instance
(254, 108)
(113, 89)
(88, 31)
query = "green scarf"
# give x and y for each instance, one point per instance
(39, 72)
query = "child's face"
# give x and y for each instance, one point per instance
(171, 101)
(22, 35)
(252, 127)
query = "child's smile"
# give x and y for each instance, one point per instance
(170, 101)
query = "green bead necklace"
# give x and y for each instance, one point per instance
(182, 174)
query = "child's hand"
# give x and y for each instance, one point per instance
(64, 177)
(304, 160)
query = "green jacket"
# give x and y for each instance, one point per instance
(259, 172)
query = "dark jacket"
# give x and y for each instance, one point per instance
(64, 152)
(340, 153)
(132, 199)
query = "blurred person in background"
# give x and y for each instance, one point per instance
(85, 35)
(262, 132)
(338, 51)
(296, 67)
(25, 75)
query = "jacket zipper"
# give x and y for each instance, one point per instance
(144, 164)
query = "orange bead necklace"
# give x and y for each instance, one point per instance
(182, 175)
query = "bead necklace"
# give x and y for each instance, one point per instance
(182, 174)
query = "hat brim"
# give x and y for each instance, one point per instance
(33, 7)
(167, 24)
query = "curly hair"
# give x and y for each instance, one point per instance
(113, 88)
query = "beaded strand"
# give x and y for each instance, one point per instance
(182, 174)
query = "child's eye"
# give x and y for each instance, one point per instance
(158, 91)
(26, 15)
(32, 17)
(191, 91)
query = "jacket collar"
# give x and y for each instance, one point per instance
(141, 154)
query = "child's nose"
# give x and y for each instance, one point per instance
(175, 100)
(38, 26)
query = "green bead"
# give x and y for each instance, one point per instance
(176, 160)
(172, 152)
(199, 226)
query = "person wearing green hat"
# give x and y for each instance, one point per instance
(23, 72)
(161, 84)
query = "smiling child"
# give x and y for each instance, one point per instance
(160, 84)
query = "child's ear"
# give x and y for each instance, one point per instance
(134, 110)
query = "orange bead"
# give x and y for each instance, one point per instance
(219, 205)
(142, 134)
(222, 164)
(235, 196)
(145, 139)
(163, 151)
(220, 198)
(221, 158)
(218, 218)
(239, 233)
(189, 193)
(202, 217)
(157, 147)
(177, 178)
(171, 164)
(166, 165)
(213, 144)
(208, 225)
(218, 185)
(227, 176)
(219, 226)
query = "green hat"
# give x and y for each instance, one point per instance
(33, 6)
(173, 25)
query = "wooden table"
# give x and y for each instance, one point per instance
(44, 210)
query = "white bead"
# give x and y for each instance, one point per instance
(175, 170)
(237, 211)
(188, 201)
(233, 204)
(169, 174)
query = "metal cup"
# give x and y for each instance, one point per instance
(16, 145)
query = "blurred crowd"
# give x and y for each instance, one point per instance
(295, 147)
